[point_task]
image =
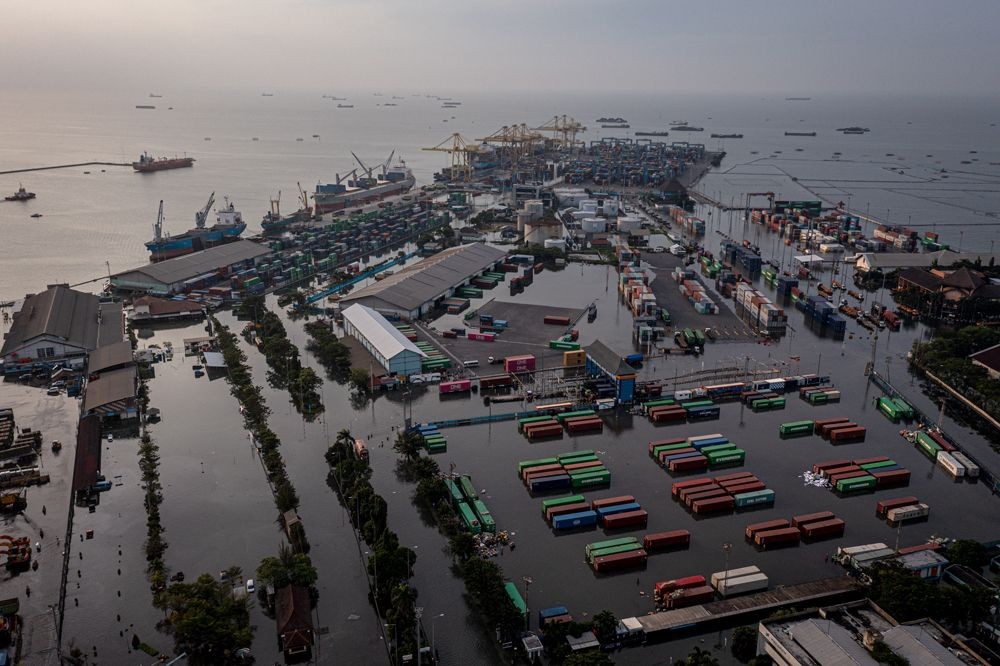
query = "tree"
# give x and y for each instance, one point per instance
(699, 657)
(604, 626)
(207, 620)
(408, 444)
(968, 552)
(360, 380)
(744, 643)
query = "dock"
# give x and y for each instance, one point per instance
(658, 625)
(65, 166)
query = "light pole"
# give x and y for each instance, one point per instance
(416, 627)
(433, 648)
(527, 613)
(409, 560)
(395, 642)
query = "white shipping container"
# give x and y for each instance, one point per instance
(743, 584)
(733, 573)
(950, 464)
(855, 550)
(971, 468)
(910, 512)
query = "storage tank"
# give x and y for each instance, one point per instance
(579, 215)
(590, 205)
(558, 243)
(593, 225)
(535, 207)
(523, 218)
(628, 223)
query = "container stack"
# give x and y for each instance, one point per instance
(821, 315)
(456, 305)
(663, 541)
(883, 507)
(840, 430)
(615, 554)
(722, 494)
(619, 512)
(577, 470)
(471, 510)
(759, 310)
(695, 453)
(862, 474)
(681, 592)
(581, 421)
(742, 259)
(739, 581)
(434, 359)
(808, 527)
(434, 441)
(540, 427)
(819, 395)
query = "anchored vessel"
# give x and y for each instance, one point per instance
(228, 227)
(21, 195)
(147, 163)
(354, 190)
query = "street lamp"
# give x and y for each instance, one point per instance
(419, 610)
(433, 649)
(527, 581)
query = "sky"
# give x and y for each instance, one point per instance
(695, 46)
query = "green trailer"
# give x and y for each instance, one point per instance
(525, 464)
(560, 501)
(485, 517)
(469, 490)
(609, 543)
(856, 484)
(454, 491)
(469, 518)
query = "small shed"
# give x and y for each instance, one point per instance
(585, 641)
(532, 645)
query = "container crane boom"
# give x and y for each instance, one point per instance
(202, 215)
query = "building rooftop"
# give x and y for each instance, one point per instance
(109, 356)
(425, 280)
(922, 559)
(379, 332)
(293, 617)
(990, 357)
(893, 260)
(195, 264)
(166, 306)
(110, 391)
(610, 360)
(77, 318)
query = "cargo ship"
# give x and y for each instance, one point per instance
(687, 128)
(727, 136)
(228, 227)
(652, 133)
(21, 194)
(853, 130)
(275, 223)
(147, 163)
(353, 190)
(616, 119)
(800, 133)
(615, 126)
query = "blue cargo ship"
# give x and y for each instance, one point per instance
(228, 227)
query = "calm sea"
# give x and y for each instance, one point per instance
(96, 220)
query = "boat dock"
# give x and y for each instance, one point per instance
(659, 625)
(65, 166)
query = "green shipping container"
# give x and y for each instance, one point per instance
(485, 517)
(613, 550)
(453, 490)
(437, 447)
(904, 408)
(668, 447)
(584, 471)
(588, 480)
(565, 458)
(609, 543)
(572, 415)
(515, 596)
(657, 403)
(469, 490)
(560, 501)
(563, 346)
(469, 518)
(876, 465)
(532, 419)
(856, 483)
(717, 448)
(795, 428)
(732, 456)
(697, 403)
(928, 447)
(525, 464)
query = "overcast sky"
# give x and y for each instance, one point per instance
(698, 46)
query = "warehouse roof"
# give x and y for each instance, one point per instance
(64, 313)
(204, 262)
(385, 337)
(110, 391)
(944, 258)
(425, 280)
(109, 356)
(610, 361)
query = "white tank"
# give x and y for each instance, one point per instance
(557, 243)
(579, 215)
(535, 207)
(593, 225)
(523, 218)
(628, 223)
(589, 205)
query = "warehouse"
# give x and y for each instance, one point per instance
(191, 271)
(390, 348)
(414, 290)
(603, 362)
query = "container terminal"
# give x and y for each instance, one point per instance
(581, 349)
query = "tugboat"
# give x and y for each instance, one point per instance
(21, 195)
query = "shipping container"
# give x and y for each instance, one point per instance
(821, 467)
(883, 506)
(469, 518)
(611, 501)
(522, 363)
(750, 583)
(971, 468)
(620, 561)
(827, 429)
(560, 509)
(556, 320)
(754, 498)
(892, 479)
(560, 501)
(677, 487)
(901, 514)
(666, 540)
(656, 444)
(534, 469)
(857, 484)
(743, 486)
(700, 494)
(637, 519)
(852, 434)
(879, 466)
(665, 587)
(794, 428)
(690, 464)
(806, 518)
(571, 520)
(457, 386)
(608, 543)
(713, 505)
(469, 490)
(616, 508)
(753, 528)
(776, 537)
(591, 480)
(824, 529)
(733, 573)
(689, 597)
(543, 431)
(735, 476)
(549, 483)
(623, 547)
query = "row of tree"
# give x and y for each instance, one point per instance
(286, 369)
(389, 565)
(334, 355)
(156, 545)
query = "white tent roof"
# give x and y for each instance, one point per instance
(214, 359)
(379, 332)
(808, 258)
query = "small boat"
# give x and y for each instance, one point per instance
(199, 373)
(21, 195)
(36, 215)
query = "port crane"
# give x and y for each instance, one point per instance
(202, 215)
(158, 227)
(749, 195)
(564, 130)
(460, 150)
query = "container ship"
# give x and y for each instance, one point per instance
(21, 195)
(228, 227)
(275, 223)
(146, 163)
(353, 190)
(687, 128)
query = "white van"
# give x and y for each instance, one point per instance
(474, 363)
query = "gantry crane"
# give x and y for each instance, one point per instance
(202, 215)
(564, 130)
(513, 142)
(460, 151)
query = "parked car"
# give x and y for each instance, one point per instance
(250, 586)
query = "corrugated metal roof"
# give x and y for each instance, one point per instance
(108, 356)
(425, 280)
(60, 312)
(192, 265)
(111, 386)
(830, 644)
(608, 359)
(919, 647)
(379, 332)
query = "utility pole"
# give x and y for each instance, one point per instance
(416, 627)
(527, 612)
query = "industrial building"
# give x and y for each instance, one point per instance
(416, 289)
(384, 342)
(603, 362)
(847, 634)
(59, 327)
(890, 261)
(191, 271)
(112, 391)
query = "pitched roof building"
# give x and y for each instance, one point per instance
(293, 615)
(988, 358)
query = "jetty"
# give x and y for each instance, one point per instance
(65, 166)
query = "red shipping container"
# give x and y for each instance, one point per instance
(745, 488)
(619, 561)
(883, 506)
(665, 540)
(522, 363)
(637, 518)
(942, 442)
(678, 486)
(611, 501)
(541, 475)
(583, 465)
(732, 483)
(825, 529)
(780, 536)
(829, 464)
(923, 546)
(688, 496)
(818, 424)
(556, 320)
(753, 528)
(540, 468)
(456, 386)
(713, 505)
(671, 416)
(897, 477)
(834, 479)
(833, 471)
(565, 508)
(874, 459)
(690, 597)
(828, 430)
(688, 464)
(665, 442)
(806, 518)
(732, 477)
(584, 424)
(674, 452)
(855, 434)
(667, 586)
(546, 431)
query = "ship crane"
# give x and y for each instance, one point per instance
(158, 227)
(564, 130)
(517, 141)
(366, 169)
(202, 215)
(388, 161)
(460, 150)
(276, 206)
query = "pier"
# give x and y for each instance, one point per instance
(658, 625)
(65, 166)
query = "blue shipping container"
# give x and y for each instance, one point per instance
(569, 520)
(550, 483)
(618, 508)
